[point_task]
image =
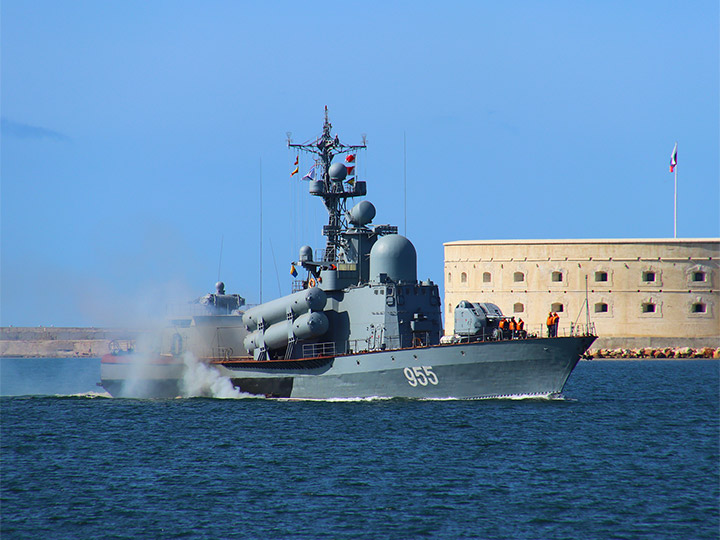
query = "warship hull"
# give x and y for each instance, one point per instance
(531, 367)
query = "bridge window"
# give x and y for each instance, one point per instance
(557, 307)
(698, 307)
(518, 276)
(487, 277)
(648, 307)
(601, 276)
(463, 278)
(518, 308)
(698, 276)
(601, 307)
(648, 277)
(557, 276)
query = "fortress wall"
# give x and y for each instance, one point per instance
(51, 342)
(637, 289)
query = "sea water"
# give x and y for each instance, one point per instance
(630, 451)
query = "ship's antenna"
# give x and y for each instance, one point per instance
(222, 240)
(334, 193)
(261, 231)
(405, 180)
(277, 275)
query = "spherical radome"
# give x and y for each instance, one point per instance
(395, 256)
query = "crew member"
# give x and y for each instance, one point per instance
(556, 322)
(521, 328)
(550, 323)
(502, 326)
(513, 328)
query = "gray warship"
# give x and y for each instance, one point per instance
(359, 323)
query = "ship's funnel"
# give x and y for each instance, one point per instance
(393, 257)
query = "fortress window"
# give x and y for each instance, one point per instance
(518, 276)
(648, 307)
(463, 278)
(449, 277)
(601, 307)
(486, 277)
(557, 307)
(557, 276)
(699, 307)
(698, 276)
(601, 276)
(518, 308)
(648, 276)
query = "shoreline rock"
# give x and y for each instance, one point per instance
(649, 353)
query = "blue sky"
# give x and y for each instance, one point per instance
(135, 135)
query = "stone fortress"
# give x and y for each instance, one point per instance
(641, 292)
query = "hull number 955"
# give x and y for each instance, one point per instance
(420, 375)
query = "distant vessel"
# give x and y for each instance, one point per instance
(361, 325)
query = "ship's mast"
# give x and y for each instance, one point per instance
(334, 192)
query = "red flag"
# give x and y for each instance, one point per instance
(351, 170)
(297, 158)
(350, 158)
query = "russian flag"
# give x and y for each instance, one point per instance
(673, 159)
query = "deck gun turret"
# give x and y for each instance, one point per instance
(477, 319)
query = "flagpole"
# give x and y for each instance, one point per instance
(673, 168)
(675, 220)
(260, 230)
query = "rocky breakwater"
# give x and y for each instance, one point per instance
(52, 342)
(650, 353)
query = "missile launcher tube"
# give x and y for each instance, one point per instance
(276, 336)
(312, 299)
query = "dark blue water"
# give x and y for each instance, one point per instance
(632, 452)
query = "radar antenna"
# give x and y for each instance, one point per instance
(334, 192)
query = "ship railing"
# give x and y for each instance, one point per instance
(299, 285)
(120, 346)
(582, 329)
(181, 310)
(313, 350)
(572, 330)
(358, 345)
(222, 352)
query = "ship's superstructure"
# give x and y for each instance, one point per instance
(363, 295)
